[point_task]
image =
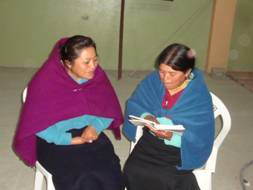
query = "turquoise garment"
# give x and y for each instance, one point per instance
(175, 139)
(58, 133)
(81, 81)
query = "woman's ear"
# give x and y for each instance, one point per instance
(67, 64)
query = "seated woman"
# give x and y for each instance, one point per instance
(173, 94)
(70, 102)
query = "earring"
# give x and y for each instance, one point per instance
(67, 64)
(190, 76)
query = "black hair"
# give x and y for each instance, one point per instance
(178, 56)
(71, 48)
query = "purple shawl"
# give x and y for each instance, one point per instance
(54, 96)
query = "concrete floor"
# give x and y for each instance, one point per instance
(243, 78)
(233, 154)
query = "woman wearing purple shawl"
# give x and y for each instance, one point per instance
(70, 101)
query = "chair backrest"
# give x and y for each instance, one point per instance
(40, 171)
(24, 95)
(220, 111)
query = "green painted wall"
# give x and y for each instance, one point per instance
(29, 28)
(152, 24)
(241, 58)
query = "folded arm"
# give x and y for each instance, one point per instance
(59, 135)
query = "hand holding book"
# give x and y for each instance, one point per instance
(165, 134)
(153, 124)
(151, 118)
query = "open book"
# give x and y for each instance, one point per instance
(138, 121)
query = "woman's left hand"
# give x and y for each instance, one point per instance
(89, 134)
(163, 134)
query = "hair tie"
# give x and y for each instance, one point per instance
(191, 53)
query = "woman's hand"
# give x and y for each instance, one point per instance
(89, 134)
(77, 140)
(163, 134)
(151, 118)
(159, 133)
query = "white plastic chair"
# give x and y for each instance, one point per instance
(204, 174)
(40, 172)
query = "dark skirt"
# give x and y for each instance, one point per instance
(92, 166)
(152, 166)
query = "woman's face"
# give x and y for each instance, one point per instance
(84, 66)
(170, 77)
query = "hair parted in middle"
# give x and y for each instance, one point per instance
(178, 56)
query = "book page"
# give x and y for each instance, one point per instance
(138, 121)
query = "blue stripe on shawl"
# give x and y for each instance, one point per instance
(193, 110)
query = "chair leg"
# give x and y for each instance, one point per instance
(38, 182)
(40, 174)
(204, 179)
(50, 185)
